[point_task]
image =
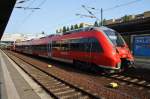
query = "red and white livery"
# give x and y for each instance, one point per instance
(99, 46)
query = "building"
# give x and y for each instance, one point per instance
(130, 17)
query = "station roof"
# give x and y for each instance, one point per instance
(6, 7)
(139, 26)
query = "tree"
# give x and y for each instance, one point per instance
(60, 30)
(64, 29)
(76, 26)
(104, 22)
(43, 32)
(125, 18)
(68, 29)
(57, 31)
(72, 27)
(96, 24)
(81, 25)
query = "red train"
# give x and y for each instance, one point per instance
(96, 46)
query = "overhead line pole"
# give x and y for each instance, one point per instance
(101, 17)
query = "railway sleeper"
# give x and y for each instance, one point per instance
(50, 85)
(142, 82)
(61, 90)
(120, 77)
(134, 80)
(56, 86)
(84, 97)
(127, 78)
(53, 81)
(66, 92)
(71, 95)
(148, 85)
(43, 81)
(76, 95)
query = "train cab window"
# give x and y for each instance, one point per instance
(114, 37)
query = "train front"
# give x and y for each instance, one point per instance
(120, 55)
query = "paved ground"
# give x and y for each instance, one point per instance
(3, 94)
(15, 84)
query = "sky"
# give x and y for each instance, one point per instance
(54, 14)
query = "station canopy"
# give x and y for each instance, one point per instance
(6, 7)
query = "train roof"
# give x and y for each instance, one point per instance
(45, 40)
(86, 29)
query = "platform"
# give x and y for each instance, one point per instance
(16, 84)
(142, 62)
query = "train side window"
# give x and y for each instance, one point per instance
(74, 44)
(65, 45)
(56, 45)
(94, 45)
(83, 44)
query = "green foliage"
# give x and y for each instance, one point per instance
(81, 25)
(100, 23)
(104, 22)
(60, 30)
(43, 32)
(57, 31)
(71, 27)
(64, 29)
(68, 29)
(125, 18)
(76, 26)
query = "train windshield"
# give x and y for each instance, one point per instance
(115, 37)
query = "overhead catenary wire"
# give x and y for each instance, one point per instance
(111, 8)
(21, 1)
(114, 7)
(90, 12)
(121, 5)
(26, 7)
(32, 11)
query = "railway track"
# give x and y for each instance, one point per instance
(121, 78)
(129, 79)
(56, 87)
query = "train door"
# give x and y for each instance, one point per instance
(65, 53)
(93, 48)
(87, 48)
(90, 46)
(49, 49)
